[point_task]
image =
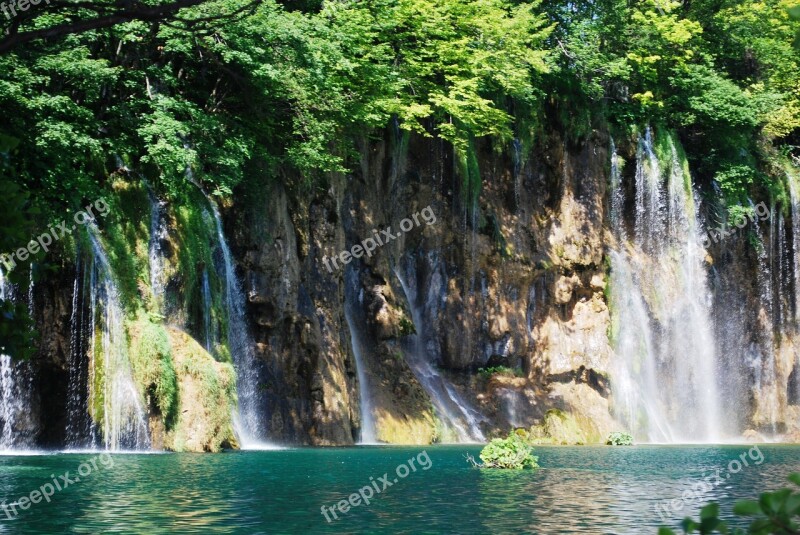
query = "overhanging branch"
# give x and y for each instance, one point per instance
(140, 12)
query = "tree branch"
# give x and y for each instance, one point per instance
(139, 12)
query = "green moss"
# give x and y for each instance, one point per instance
(153, 369)
(207, 400)
(126, 235)
(469, 171)
(500, 370)
(97, 378)
(406, 326)
(195, 235)
(501, 244)
(559, 427)
(215, 386)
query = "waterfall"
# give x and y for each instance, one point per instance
(80, 432)
(113, 399)
(794, 195)
(795, 268)
(8, 399)
(354, 293)
(666, 371)
(761, 358)
(15, 388)
(158, 235)
(242, 347)
(454, 412)
(210, 328)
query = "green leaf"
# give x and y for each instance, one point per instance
(8, 143)
(710, 511)
(792, 505)
(689, 525)
(772, 502)
(747, 508)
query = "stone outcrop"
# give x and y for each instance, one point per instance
(514, 280)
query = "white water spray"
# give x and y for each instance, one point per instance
(114, 400)
(665, 379)
(454, 411)
(248, 421)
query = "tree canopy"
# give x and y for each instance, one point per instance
(224, 88)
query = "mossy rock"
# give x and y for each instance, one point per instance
(559, 427)
(206, 395)
(152, 367)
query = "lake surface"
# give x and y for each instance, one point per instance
(578, 490)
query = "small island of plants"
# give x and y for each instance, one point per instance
(619, 439)
(513, 452)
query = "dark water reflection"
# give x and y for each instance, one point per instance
(577, 490)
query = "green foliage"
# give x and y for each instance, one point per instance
(126, 234)
(775, 512)
(194, 236)
(153, 369)
(205, 411)
(16, 333)
(508, 453)
(618, 438)
(500, 370)
(287, 92)
(407, 327)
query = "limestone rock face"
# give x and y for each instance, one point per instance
(512, 281)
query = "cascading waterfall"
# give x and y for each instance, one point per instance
(794, 195)
(665, 380)
(158, 234)
(764, 366)
(210, 328)
(113, 399)
(795, 268)
(778, 321)
(7, 402)
(454, 412)
(354, 293)
(13, 398)
(248, 420)
(80, 432)
(7, 383)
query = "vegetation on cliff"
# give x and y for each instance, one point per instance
(229, 88)
(209, 96)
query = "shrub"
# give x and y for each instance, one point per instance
(619, 439)
(774, 513)
(500, 370)
(510, 453)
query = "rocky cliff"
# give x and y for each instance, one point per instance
(474, 297)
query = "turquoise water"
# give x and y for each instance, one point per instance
(578, 490)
